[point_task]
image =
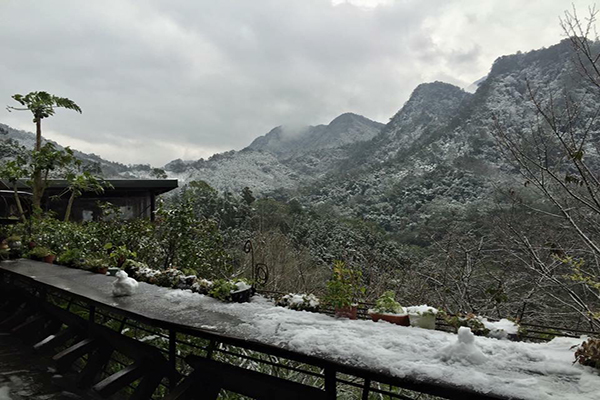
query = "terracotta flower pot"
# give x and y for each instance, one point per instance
(347, 312)
(102, 270)
(402, 320)
(50, 258)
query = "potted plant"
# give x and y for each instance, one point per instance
(344, 290)
(388, 309)
(119, 254)
(238, 290)
(98, 265)
(72, 258)
(422, 316)
(14, 245)
(4, 250)
(43, 254)
(242, 291)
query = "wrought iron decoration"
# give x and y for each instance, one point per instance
(260, 271)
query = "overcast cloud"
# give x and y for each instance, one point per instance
(159, 80)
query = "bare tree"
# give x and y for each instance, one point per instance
(558, 157)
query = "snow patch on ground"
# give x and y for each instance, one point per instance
(512, 369)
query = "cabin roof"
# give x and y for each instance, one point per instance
(55, 186)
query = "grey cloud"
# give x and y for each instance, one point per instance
(161, 80)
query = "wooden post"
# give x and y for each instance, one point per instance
(152, 206)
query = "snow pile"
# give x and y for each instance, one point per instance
(464, 350)
(241, 286)
(535, 371)
(5, 393)
(299, 301)
(421, 310)
(124, 286)
(500, 329)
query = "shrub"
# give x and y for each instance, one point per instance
(469, 320)
(72, 258)
(344, 288)
(387, 304)
(40, 252)
(588, 353)
(222, 289)
(299, 302)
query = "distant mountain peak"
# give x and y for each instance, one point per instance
(344, 129)
(346, 117)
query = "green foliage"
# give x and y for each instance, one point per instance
(189, 241)
(119, 254)
(85, 182)
(14, 170)
(222, 289)
(42, 104)
(49, 159)
(72, 257)
(345, 287)
(39, 252)
(387, 304)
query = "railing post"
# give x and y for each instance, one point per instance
(366, 389)
(172, 355)
(92, 316)
(330, 384)
(211, 349)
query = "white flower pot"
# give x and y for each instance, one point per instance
(426, 321)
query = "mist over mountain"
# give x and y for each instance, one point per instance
(435, 158)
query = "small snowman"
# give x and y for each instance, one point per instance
(124, 285)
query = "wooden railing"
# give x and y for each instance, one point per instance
(112, 351)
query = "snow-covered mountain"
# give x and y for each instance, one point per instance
(284, 158)
(435, 160)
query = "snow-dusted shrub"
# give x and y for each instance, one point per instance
(588, 353)
(169, 277)
(387, 304)
(470, 321)
(223, 289)
(186, 282)
(344, 288)
(202, 286)
(140, 271)
(299, 302)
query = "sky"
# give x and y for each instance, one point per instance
(161, 80)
